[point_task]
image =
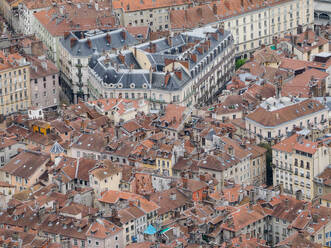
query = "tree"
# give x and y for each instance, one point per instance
(239, 63)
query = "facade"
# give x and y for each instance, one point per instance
(44, 81)
(15, 83)
(252, 23)
(296, 161)
(77, 48)
(276, 117)
(24, 170)
(103, 233)
(105, 178)
(304, 45)
(185, 69)
(8, 149)
(147, 13)
(51, 24)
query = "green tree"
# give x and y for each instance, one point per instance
(239, 63)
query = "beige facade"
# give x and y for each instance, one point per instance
(295, 168)
(156, 17)
(104, 180)
(252, 29)
(14, 84)
(278, 110)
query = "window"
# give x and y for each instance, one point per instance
(96, 242)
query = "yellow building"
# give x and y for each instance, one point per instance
(41, 127)
(164, 163)
(14, 83)
(296, 162)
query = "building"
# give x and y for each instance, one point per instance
(24, 170)
(186, 69)
(276, 117)
(103, 233)
(322, 182)
(252, 23)
(106, 177)
(304, 45)
(147, 13)
(15, 83)
(8, 149)
(121, 110)
(51, 24)
(296, 162)
(77, 48)
(44, 81)
(9, 10)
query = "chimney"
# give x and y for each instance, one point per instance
(214, 9)
(123, 34)
(199, 11)
(178, 73)
(169, 41)
(135, 52)
(315, 218)
(184, 182)
(230, 150)
(89, 43)
(121, 58)
(108, 38)
(166, 78)
(72, 42)
(194, 57)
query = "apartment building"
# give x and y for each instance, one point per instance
(252, 23)
(322, 182)
(15, 83)
(103, 233)
(276, 117)
(77, 48)
(296, 161)
(8, 149)
(51, 24)
(154, 14)
(304, 45)
(9, 10)
(185, 69)
(44, 81)
(24, 170)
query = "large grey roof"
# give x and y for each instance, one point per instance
(99, 42)
(129, 72)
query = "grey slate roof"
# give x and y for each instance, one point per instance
(99, 42)
(115, 71)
